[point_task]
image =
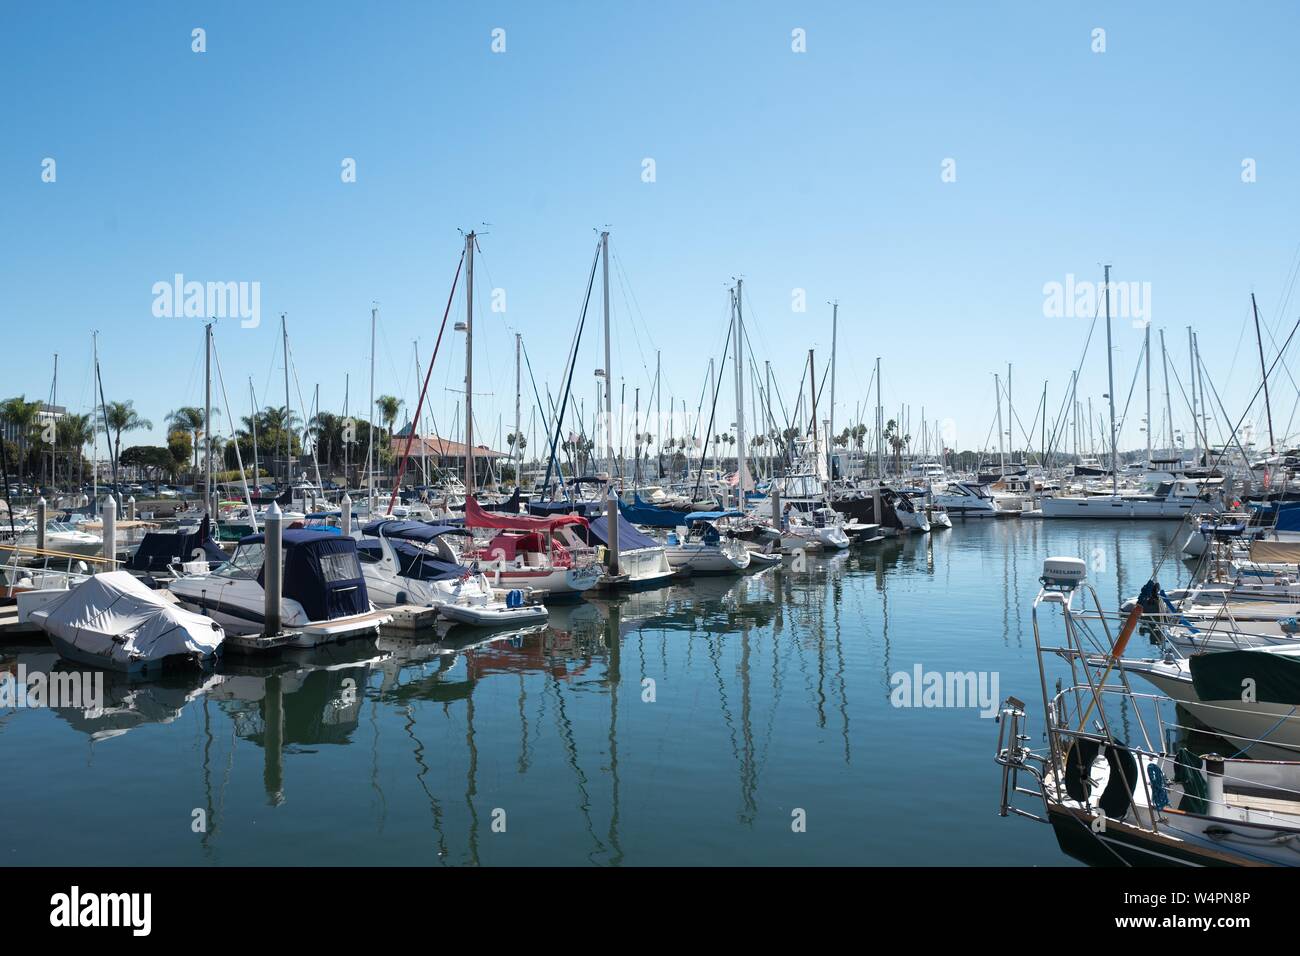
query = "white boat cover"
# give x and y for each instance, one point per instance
(115, 618)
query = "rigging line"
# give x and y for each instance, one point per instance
(419, 408)
(1259, 389)
(1132, 385)
(239, 457)
(572, 364)
(714, 411)
(1078, 370)
(298, 388)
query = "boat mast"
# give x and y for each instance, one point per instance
(1191, 359)
(207, 420)
(1263, 370)
(288, 407)
(830, 437)
(1110, 394)
(94, 432)
(370, 417)
(659, 422)
(880, 427)
(742, 467)
(1169, 410)
(469, 366)
(1200, 387)
(609, 383)
(1002, 455)
(519, 461)
(1147, 349)
(252, 395)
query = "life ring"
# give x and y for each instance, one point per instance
(1117, 796)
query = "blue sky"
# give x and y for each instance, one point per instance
(818, 171)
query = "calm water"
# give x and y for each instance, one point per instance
(771, 695)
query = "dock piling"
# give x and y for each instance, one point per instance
(272, 570)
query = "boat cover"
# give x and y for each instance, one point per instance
(1275, 552)
(711, 516)
(1222, 675)
(414, 562)
(643, 513)
(476, 517)
(629, 539)
(117, 616)
(321, 572)
(159, 549)
(410, 530)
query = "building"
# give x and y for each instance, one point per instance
(443, 455)
(49, 414)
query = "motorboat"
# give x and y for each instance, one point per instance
(324, 595)
(115, 621)
(409, 562)
(700, 546)
(970, 499)
(1161, 497)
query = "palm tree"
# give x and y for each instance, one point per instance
(189, 418)
(74, 432)
(896, 442)
(118, 417)
(22, 416)
(388, 406)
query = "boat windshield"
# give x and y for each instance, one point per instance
(246, 562)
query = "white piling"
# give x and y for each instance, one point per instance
(345, 518)
(611, 511)
(110, 531)
(272, 569)
(130, 508)
(40, 524)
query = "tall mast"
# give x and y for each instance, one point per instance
(94, 432)
(1002, 455)
(207, 419)
(1147, 349)
(519, 465)
(370, 417)
(1169, 410)
(1110, 394)
(1263, 371)
(880, 426)
(1191, 360)
(742, 466)
(830, 438)
(252, 395)
(469, 365)
(288, 408)
(609, 379)
(1200, 387)
(1011, 428)
(659, 422)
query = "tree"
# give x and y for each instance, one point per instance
(180, 446)
(388, 406)
(118, 417)
(74, 433)
(148, 458)
(189, 418)
(22, 416)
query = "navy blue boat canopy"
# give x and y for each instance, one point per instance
(410, 530)
(644, 513)
(414, 562)
(321, 572)
(160, 549)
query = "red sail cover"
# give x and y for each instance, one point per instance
(476, 517)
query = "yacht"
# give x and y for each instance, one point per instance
(1161, 497)
(527, 553)
(324, 591)
(706, 548)
(971, 499)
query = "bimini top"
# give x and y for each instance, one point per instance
(629, 539)
(292, 537)
(409, 530)
(695, 516)
(476, 517)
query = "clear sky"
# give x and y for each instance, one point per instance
(820, 170)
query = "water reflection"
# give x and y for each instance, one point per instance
(679, 724)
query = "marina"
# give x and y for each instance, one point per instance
(656, 447)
